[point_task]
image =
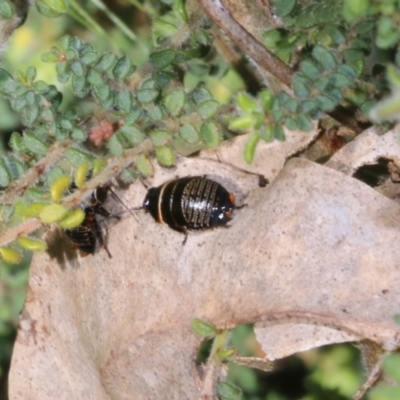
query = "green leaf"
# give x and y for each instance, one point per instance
(266, 98)
(115, 145)
(301, 87)
(325, 103)
(73, 219)
(124, 100)
(147, 95)
(63, 73)
(34, 145)
(271, 38)
(59, 186)
(279, 134)
(98, 165)
(388, 33)
(17, 143)
(175, 101)
(155, 113)
(364, 27)
(179, 8)
(162, 28)
(250, 147)
(246, 103)
(201, 95)
(201, 37)
(291, 124)
(40, 86)
(30, 74)
(147, 92)
(322, 83)
(51, 56)
(102, 92)
(76, 157)
(65, 124)
(347, 70)
(95, 78)
(132, 134)
(52, 213)
(292, 105)
(123, 68)
(79, 86)
(324, 57)
(106, 62)
(203, 328)
(6, 10)
(335, 33)
(284, 7)
(11, 256)
(51, 8)
(89, 58)
(267, 133)
(32, 244)
(81, 174)
(6, 80)
(33, 210)
(14, 166)
(133, 116)
(304, 123)
(75, 45)
(163, 78)
(78, 69)
(144, 165)
(227, 391)
(339, 80)
(355, 9)
(208, 109)
(162, 59)
(165, 156)
(242, 123)
(183, 56)
(78, 134)
(5, 177)
(65, 42)
(160, 137)
(189, 134)
(353, 55)
(210, 135)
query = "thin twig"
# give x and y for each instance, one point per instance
(31, 176)
(113, 168)
(249, 45)
(247, 42)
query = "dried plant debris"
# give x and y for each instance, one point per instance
(312, 255)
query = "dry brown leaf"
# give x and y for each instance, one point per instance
(316, 247)
(367, 148)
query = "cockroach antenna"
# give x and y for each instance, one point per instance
(114, 195)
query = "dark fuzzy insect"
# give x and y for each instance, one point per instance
(190, 204)
(88, 235)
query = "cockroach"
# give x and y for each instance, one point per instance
(190, 204)
(88, 234)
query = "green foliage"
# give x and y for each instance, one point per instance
(6, 9)
(203, 328)
(227, 391)
(111, 116)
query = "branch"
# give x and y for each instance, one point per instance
(114, 167)
(249, 45)
(246, 42)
